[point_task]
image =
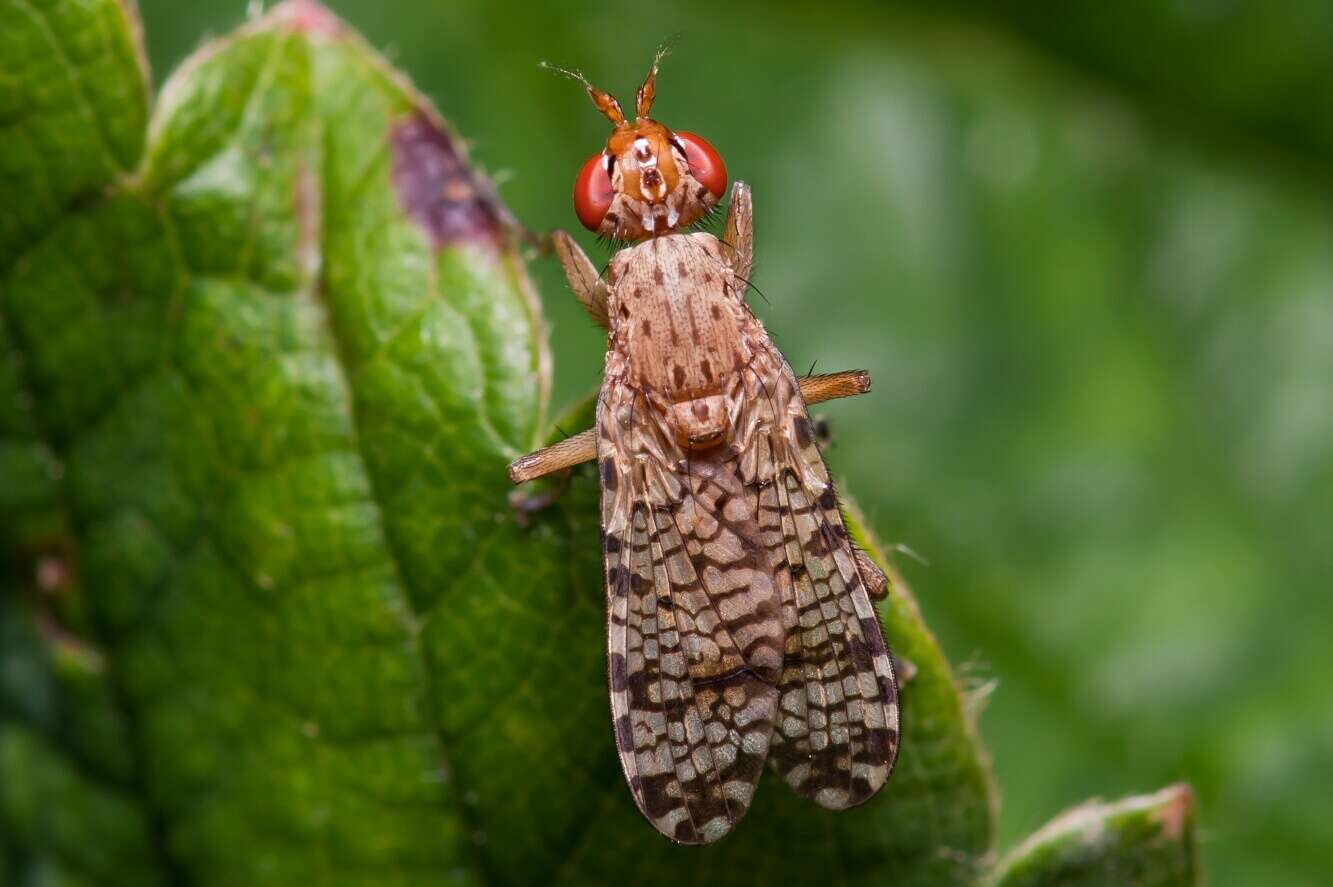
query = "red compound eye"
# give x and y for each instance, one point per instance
(593, 192)
(705, 164)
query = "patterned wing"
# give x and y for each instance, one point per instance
(836, 733)
(694, 624)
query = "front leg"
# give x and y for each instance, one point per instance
(739, 232)
(582, 447)
(587, 284)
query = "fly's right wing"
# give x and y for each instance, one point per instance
(694, 623)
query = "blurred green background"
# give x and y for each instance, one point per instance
(1088, 257)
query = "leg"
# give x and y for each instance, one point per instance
(831, 386)
(582, 447)
(877, 584)
(739, 231)
(579, 448)
(587, 284)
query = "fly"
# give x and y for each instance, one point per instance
(740, 623)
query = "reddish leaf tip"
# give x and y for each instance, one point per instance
(309, 17)
(1175, 813)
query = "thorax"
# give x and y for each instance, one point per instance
(679, 325)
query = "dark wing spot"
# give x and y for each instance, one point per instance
(609, 477)
(828, 535)
(860, 653)
(716, 312)
(616, 672)
(827, 500)
(707, 369)
(624, 732)
(658, 276)
(678, 375)
(647, 328)
(682, 270)
(685, 832)
(804, 431)
(624, 310)
(871, 628)
(879, 746)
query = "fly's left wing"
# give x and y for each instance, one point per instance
(836, 731)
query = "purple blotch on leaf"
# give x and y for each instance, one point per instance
(436, 187)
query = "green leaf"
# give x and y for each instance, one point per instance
(263, 360)
(280, 368)
(73, 101)
(1145, 841)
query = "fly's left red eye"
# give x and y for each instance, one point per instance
(593, 193)
(705, 163)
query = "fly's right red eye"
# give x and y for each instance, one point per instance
(593, 193)
(705, 163)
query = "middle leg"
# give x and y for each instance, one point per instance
(582, 447)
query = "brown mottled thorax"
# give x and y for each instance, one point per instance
(679, 330)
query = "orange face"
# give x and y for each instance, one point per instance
(649, 180)
(643, 152)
